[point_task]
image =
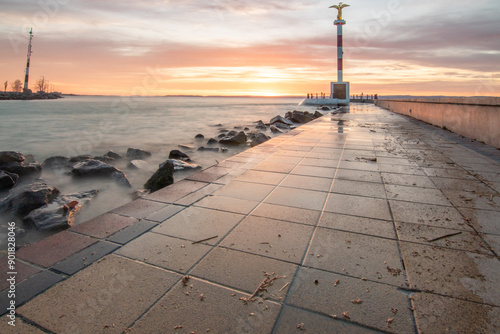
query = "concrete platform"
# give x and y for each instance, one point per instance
(359, 222)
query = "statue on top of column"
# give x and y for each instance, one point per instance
(339, 8)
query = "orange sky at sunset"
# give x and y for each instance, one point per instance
(265, 48)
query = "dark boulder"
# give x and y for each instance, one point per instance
(282, 126)
(61, 213)
(33, 169)
(317, 114)
(260, 125)
(274, 129)
(181, 165)
(176, 154)
(22, 201)
(7, 179)
(95, 168)
(57, 162)
(10, 156)
(137, 154)
(280, 119)
(80, 158)
(212, 141)
(103, 158)
(113, 155)
(212, 149)
(259, 139)
(163, 177)
(325, 108)
(300, 117)
(199, 136)
(234, 139)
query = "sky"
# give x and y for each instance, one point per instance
(259, 47)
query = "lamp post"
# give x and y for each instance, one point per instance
(340, 89)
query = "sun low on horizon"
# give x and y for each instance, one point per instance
(252, 48)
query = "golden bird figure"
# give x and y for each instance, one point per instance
(339, 8)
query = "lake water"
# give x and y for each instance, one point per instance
(94, 125)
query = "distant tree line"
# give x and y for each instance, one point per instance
(41, 85)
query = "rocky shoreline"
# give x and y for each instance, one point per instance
(30, 96)
(27, 197)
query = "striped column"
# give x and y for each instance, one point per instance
(28, 62)
(340, 52)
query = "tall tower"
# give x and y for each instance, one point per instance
(340, 89)
(26, 90)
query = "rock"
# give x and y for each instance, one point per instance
(61, 213)
(163, 177)
(246, 129)
(261, 126)
(29, 158)
(176, 154)
(137, 164)
(235, 139)
(300, 117)
(199, 136)
(223, 149)
(237, 127)
(103, 158)
(275, 129)
(280, 119)
(259, 139)
(10, 156)
(325, 108)
(282, 126)
(22, 201)
(213, 149)
(57, 162)
(7, 180)
(137, 154)
(317, 114)
(180, 165)
(232, 133)
(95, 168)
(222, 135)
(113, 155)
(80, 158)
(212, 141)
(217, 125)
(33, 169)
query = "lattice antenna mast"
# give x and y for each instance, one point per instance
(28, 62)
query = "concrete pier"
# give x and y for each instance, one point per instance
(358, 222)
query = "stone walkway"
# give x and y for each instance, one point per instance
(358, 222)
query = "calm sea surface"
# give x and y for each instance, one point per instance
(94, 125)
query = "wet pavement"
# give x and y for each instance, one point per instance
(358, 222)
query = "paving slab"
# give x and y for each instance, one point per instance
(23, 270)
(131, 232)
(106, 297)
(105, 225)
(140, 208)
(197, 307)
(287, 213)
(356, 224)
(369, 207)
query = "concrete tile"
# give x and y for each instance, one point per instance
(131, 232)
(427, 214)
(408, 180)
(307, 182)
(396, 161)
(322, 155)
(493, 241)
(368, 189)
(314, 171)
(318, 162)
(164, 251)
(398, 169)
(108, 296)
(140, 208)
(245, 190)
(29, 288)
(294, 319)
(298, 198)
(165, 213)
(417, 195)
(474, 200)
(20, 327)
(54, 248)
(210, 174)
(466, 241)
(227, 204)
(453, 173)
(274, 167)
(22, 270)
(359, 164)
(245, 271)
(84, 258)
(357, 255)
(256, 176)
(452, 273)
(440, 314)
(199, 194)
(271, 238)
(287, 213)
(217, 312)
(358, 206)
(462, 185)
(176, 191)
(358, 175)
(104, 225)
(281, 159)
(334, 295)
(375, 227)
(196, 224)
